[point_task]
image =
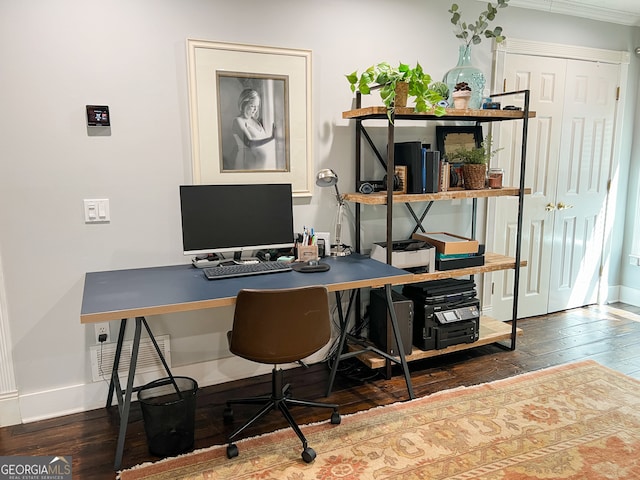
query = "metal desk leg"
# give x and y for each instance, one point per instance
(116, 362)
(124, 396)
(343, 338)
(162, 359)
(398, 339)
(124, 408)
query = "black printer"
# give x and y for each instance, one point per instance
(446, 312)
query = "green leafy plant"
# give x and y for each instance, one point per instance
(441, 88)
(478, 156)
(470, 33)
(385, 78)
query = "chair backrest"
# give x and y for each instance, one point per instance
(280, 326)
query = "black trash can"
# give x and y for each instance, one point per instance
(168, 411)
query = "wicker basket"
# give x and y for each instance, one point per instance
(474, 176)
(402, 94)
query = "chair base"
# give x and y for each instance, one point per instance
(279, 399)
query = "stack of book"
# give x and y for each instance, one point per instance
(426, 171)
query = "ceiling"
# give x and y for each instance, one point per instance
(623, 12)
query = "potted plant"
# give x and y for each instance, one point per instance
(442, 90)
(387, 79)
(474, 160)
(461, 95)
(471, 33)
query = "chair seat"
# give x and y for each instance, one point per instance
(276, 327)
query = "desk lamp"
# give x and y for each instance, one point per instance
(328, 178)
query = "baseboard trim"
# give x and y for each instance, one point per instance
(79, 398)
(10, 410)
(630, 296)
(613, 294)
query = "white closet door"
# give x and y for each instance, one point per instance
(545, 78)
(569, 156)
(583, 173)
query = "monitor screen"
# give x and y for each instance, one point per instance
(236, 218)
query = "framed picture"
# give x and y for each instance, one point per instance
(250, 114)
(451, 138)
(456, 180)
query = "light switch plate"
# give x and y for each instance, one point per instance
(96, 210)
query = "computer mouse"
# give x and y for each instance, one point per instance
(310, 266)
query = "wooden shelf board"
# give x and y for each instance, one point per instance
(493, 262)
(380, 112)
(380, 198)
(491, 331)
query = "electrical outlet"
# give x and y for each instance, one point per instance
(102, 329)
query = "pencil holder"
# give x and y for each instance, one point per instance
(307, 252)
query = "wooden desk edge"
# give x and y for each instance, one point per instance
(372, 282)
(156, 310)
(227, 301)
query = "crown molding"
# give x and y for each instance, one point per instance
(544, 49)
(582, 9)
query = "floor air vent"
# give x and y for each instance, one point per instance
(102, 357)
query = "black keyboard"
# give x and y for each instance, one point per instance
(245, 269)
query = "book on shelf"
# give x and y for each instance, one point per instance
(444, 176)
(431, 166)
(423, 166)
(409, 154)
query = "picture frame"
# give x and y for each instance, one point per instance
(236, 91)
(401, 173)
(451, 137)
(456, 179)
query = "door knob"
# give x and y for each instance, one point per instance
(550, 206)
(563, 206)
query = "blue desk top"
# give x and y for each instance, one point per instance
(118, 294)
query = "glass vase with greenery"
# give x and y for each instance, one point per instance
(471, 33)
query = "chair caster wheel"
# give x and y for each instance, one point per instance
(308, 455)
(232, 451)
(227, 415)
(335, 418)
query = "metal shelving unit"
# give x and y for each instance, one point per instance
(491, 330)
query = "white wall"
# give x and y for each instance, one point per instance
(630, 274)
(56, 56)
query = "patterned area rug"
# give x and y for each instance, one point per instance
(579, 421)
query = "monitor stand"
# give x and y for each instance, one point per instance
(204, 261)
(237, 258)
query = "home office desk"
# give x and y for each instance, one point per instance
(143, 292)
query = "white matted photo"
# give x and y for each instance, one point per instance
(250, 114)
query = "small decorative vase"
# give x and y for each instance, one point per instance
(464, 71)
(474, 175)
(461, 99)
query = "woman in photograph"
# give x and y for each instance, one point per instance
(256, 148)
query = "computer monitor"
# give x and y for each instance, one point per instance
(236, 218)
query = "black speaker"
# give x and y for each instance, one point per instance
(380, 329)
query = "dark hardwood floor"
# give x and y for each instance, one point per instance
(608, 335)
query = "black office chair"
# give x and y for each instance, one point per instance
(276, 327)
